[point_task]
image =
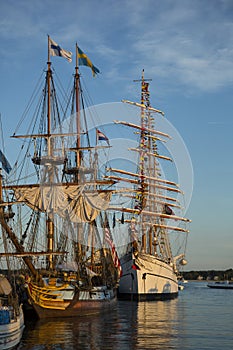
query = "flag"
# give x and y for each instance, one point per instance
(122, 218)
(102, 137)
(114, 220)
(115, 258)
(145, 86)
(5, 164)
(168, 210)
(108, 238)
(83, 60)
(135, 267)
(56, 50)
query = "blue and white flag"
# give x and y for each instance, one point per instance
(56, 50)
(5, 164)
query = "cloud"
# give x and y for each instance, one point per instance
(187, 43)
(190, 44)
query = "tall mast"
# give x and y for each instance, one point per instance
(78, 126)
(143, 149)
(79, 226)
(50, 217)
(48, 96)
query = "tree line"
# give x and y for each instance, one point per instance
(208, 275)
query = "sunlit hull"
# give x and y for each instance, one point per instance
(147, 278)
(68, 302)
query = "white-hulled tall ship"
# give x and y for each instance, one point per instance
(59, 231)
(149, 265)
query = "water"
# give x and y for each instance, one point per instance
(200, 318)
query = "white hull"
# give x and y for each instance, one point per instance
(145, 277)
(221, 285)
(11, 333)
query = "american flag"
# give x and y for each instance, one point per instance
(115, 258)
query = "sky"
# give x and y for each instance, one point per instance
(185, 47)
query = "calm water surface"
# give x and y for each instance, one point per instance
(200, 318)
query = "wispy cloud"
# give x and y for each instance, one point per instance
(186, 42)
(191, 42)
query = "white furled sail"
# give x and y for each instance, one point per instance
(71, 202)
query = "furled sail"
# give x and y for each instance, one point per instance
(5, 287)
(71, 202)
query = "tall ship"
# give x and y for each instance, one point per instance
(54, 201)
(150, 265)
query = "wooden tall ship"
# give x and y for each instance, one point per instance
(150, 266)
(59, 231)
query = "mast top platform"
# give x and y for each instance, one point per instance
(142, 79)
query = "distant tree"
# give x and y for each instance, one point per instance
(209, 274)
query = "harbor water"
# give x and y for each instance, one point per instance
(200, 318)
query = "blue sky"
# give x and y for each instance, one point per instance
(185, 47)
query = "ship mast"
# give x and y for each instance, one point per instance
(78, 156)
(151, 203)
(143, 150)
(50, 215)
(78, 125)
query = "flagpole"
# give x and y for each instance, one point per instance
(48, 97)
(78, 127)
(48, 49)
